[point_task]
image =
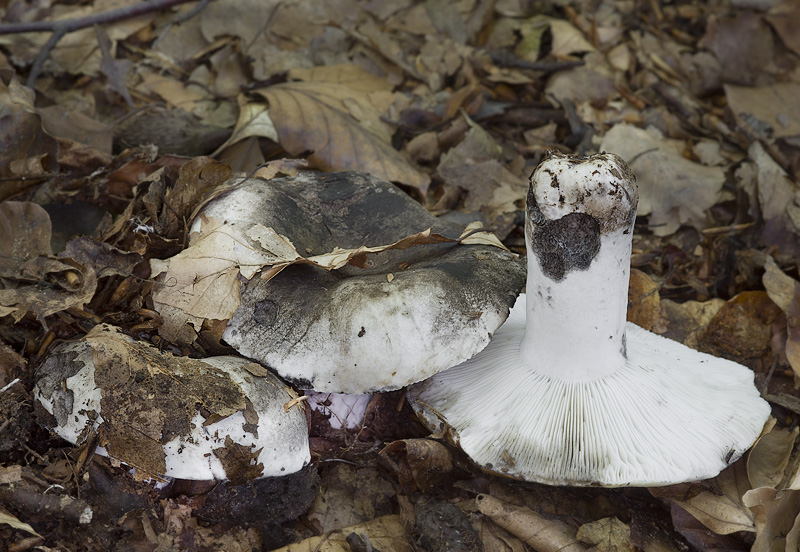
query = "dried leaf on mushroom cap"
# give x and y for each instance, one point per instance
(219, 418)
(381, 321)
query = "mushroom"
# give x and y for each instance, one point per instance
(398, 317)
(220, 418)
(568, 392)
(344, 410)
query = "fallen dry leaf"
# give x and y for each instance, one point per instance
(338, 125)
(769, 457)
(25, 148)
(687, 322)
(785, 292)
(544, 535)
(419, 463)
(717, 504)
(771, 111)
(254, 120)
(43, 286)
(776, 195)
(14, 522)
(606, 535)
(777, 519)
(742, 329)
(475, 165)
(672, 189)
(26, 230)
(644, 302)
(495, 538)
(352, 76)
(384, 533)
(349, 495)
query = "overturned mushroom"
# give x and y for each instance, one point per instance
(385, 320)
(222, 418)
(567, 392)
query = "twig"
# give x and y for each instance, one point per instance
(61, 27)
(180, 19)
(33, 502)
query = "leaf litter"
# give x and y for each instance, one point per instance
(456, 102)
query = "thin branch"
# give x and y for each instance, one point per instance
(77, 23)
(61, 27)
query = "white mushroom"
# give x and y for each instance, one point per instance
(567, 392)
(221, 418)
(402, 316)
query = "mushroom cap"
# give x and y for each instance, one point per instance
(219, 418)
(671, 414)
(601, 186)
(409, 314)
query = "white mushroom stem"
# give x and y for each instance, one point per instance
(578, 232)
(587, 310)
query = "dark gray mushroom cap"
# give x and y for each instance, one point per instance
(409, 314)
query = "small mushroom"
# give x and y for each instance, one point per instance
(220, 418)
(568, 392)
(378, 324)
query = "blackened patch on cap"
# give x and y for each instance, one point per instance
(565, 244)
(265, 312)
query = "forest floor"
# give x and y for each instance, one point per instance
(112, 135)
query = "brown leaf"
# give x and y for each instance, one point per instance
(644, 302)
(672, 189)
(687, 322)
(254, 120)
(45, 286)
(700, 537)
(349, 495)
(606, 535)
(741, 329)
(22, 138)
(237, 460)
(496, 539)
(544, 535)
(26, 230)
(420, 463)
(74, 125)
(775, 194)
(744, 45)
(352, 76)
(321, 118)
(8, 519)
(783, 17)
(385, 533)
(474, 165)
(772, 111)
(785, 292)
(716, 503)
(196, 179)
(103, 258)
(767, 460)
(777, 518)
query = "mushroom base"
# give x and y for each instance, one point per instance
(669, 414)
